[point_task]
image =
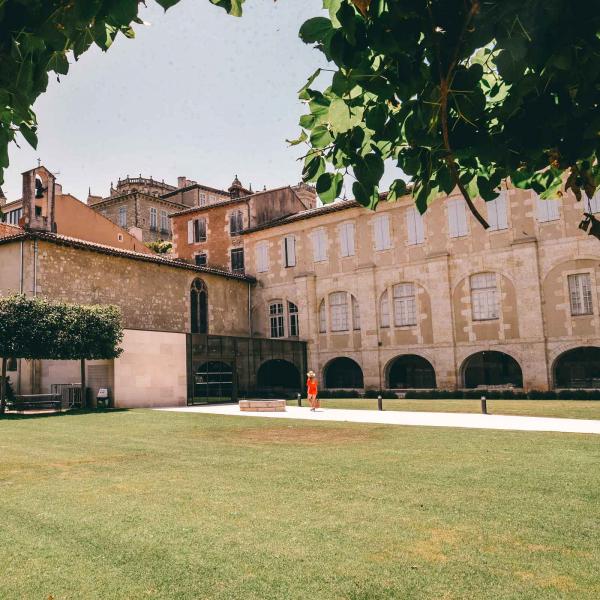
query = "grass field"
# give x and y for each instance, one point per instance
(575, 409)
(142, 504)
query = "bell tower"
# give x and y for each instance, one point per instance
(39, 200)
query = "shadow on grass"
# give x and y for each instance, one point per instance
(15, 416)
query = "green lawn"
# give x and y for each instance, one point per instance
(143, 504)
(576, 409)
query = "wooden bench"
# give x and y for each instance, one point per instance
(35, 402)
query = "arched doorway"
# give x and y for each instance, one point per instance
(199, 307)
(343, 373)
(213, 382)
(491, 368)
(410, 372)
(578, 368)
(278, 374)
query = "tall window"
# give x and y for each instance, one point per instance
(457, 217)
(484, 296)
(322, 317)
(196, 230)
(319, 240)
(153, 219)
(355, 314)
(276, 319)
(289, 251)
(236, 222)
(293, 319)
(547, 210)
(202, 200)
(414, 226)
(199, 306)
(201, 259)
(497, 213)
(405, 305)
(262, 257)
(381, 227)
(338, 308)
(122, 216)
(580, 294)
(347, 239)
(237, 260)
(384, 309)
(164, 221)
(211, 198)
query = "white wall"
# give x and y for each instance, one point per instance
(151, 371)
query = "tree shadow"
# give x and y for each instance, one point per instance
(18, 416)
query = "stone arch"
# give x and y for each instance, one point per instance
(491, 368)
(343, 372)
(409, 371)
(277, 373)
(577, 367)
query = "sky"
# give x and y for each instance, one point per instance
(197, 93)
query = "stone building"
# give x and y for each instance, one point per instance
(393, 299)
(71, 217)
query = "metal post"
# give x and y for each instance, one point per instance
(379, 402)
(299, 400)
(484, 405)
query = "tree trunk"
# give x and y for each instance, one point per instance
(83, 398)
(3, 387)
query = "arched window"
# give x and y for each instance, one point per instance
(322, 317)
(199, 306)
(484, 297)
(338, 309)
(405, 305)
(384, 310)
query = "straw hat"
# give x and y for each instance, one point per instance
(310, 374)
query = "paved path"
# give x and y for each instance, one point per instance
(392, 417)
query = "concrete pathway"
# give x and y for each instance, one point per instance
(391, 417)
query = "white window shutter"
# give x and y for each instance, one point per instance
(553, 209)
(595, 202)
(419, 227)
(452, 219)
(350, 239)
(190, 232)
(462, 218)
(502, 210)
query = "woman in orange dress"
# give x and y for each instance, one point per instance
(312, 390)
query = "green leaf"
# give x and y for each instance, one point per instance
(315, 30)
(29, 134)
(397, 190)
(303, 91)
(329, 186)
(320, 137)
(302, 138)
(314, 165)
(58, 63)
(367, 196)
(342, 117)
(369, 170)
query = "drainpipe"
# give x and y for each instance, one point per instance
(21, 269)
(249, 312)
(35, 260)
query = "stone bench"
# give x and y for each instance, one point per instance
(262, 405)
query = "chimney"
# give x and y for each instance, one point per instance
(181, 182)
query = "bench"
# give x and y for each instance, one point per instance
(35, 402)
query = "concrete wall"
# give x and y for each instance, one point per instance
(151, 371)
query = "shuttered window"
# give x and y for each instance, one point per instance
(262, 257)
(548, 210)
(497, 213)
(319, 240)
(289, 251)
(196, 231)
(457, 217)
(381, 228)
(414, 226)
(237, 260)
(347, 239)
(153, 219)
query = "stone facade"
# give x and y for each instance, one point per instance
(529, 257)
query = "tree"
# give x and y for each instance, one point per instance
(35, 328)
(160, 246)
(457, 93)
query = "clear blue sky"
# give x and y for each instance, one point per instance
(197, 93)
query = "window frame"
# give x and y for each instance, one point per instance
(262, 257)
(289, 255)
(460, 218)
(122, 216)
(153, 218)
(319, 244)
(415, 225)
(585, 298)
(276, 319)
(496, 217)
(404, 304)
(293, 319)
(347, 249)
(382, 232)
(485, 299)
(238, 252)
(338, 312)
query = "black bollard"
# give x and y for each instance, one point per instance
(379, 402)
(299, 400)
(484, 405)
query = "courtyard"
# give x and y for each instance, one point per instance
(149, 504)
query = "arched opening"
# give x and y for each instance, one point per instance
(491, 368)
(199, 307)
(343, 373)
(410, 372)
(213, 382)
(278, 374)
(578, 368)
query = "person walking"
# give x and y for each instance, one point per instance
(312, 391)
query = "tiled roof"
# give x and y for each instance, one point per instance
(110, 250)
(193, 186)
(306, 214)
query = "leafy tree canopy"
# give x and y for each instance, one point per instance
(36, 328)
(160, 246)
(455, 93)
